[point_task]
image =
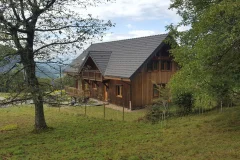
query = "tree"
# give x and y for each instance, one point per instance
(37, 29)
(209, 52)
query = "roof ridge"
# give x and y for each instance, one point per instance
(130, 38)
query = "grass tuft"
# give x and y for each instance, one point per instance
(9, 127)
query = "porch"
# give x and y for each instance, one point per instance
(94, 75)
(77, 92)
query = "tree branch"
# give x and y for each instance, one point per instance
(55, 43)
(14, 11)
(22, 10)
(56, 29)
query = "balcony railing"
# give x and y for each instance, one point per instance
(77, 92)
(92, 75)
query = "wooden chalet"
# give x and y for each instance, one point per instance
(122, 72)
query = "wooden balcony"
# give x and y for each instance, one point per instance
(94, 75)
(77, 92)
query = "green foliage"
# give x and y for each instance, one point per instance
(215, 136)
(208, 52)
(185, 103)
(66, 80)
(164, 95)
(12, 82)
(154, 114)
(6, 51)
(45, 84)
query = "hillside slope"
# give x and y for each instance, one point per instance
(213, 135)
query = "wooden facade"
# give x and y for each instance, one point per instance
(133, 93)
(143, 82)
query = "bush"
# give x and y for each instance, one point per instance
(154, 114)
(184, 102)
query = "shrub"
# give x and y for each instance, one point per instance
(154, 114)
(184, 102)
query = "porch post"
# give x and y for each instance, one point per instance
(76, 83)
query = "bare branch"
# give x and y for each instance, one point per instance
(14, 10)
(22, 10)
(55, 43)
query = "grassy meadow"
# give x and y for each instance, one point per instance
(212, 135)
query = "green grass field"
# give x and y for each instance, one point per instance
(211, 135)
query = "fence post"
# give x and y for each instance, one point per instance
(221, 106)
(123, 112)
(85, 109)
(104, 111)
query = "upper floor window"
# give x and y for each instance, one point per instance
(166, 65)
(150, 66)
(153, 65)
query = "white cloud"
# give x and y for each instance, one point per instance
(184, 28)
(131, 34)
(129, 26)
(134, 9)
(141, 33)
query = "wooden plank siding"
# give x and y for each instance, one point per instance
(112, 93)
(142, 84)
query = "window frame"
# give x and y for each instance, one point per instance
(155, 65)
(166, 65)
(156, 87)
(150, 66)
(119, 90)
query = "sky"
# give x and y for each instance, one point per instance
(135, 18)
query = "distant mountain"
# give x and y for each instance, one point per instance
(48, 71)
(43, 70)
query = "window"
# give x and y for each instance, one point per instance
(157, 88)
(150, 66)
(155, 65)
(119, 90)
(166, 65)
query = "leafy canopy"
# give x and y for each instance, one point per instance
(209, 52)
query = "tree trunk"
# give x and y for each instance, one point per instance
(40, 122)
(35, 91)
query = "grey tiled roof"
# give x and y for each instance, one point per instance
(101, 59)
(126, 55)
